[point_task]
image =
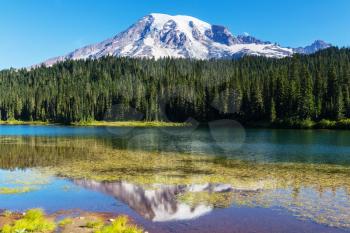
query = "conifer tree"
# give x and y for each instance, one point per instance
(306, 98)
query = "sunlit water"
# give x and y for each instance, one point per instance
(176, 180)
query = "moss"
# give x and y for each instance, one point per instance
(120, 225)
(33, 221)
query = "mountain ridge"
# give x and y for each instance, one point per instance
(160, 35)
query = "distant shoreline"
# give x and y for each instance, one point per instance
(343, 124)
(100, 123)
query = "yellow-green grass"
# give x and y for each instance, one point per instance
(101, 123)
(33, 221)
(16, 190)
(19, 122)
(130, 124)
(95, 224)
(120, 225)
(65, 222)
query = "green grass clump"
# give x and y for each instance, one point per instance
(33, 221)
(326, 124)
(306, 124)
(65, 222)
(94, 224)
(7, 190)
(343, 124)
(120, 225)
(294, 123)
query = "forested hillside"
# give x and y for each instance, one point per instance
(249, 89)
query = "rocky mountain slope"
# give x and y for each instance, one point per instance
(161, 35)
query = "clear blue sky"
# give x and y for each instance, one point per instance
(34, 30)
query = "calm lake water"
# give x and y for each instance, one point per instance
(211, 179)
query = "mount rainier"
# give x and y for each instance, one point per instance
(161, 35)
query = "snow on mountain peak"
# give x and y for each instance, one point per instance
(183, 21)
(314, 47)
(160, 35)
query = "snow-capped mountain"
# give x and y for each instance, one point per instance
(314, 47)
(161, 35)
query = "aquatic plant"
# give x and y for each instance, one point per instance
(8, 190)
(214, 199)
(120, 225)
(32, 221)
(267, 180)
(19, 182)
(308, 190)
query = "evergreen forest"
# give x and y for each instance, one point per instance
(250, 89)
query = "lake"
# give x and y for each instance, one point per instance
(212, 179)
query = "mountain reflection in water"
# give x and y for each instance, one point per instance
(313, 185)
(159, 203)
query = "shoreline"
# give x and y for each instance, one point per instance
(66, 221)
(343, 124)
(99, 123)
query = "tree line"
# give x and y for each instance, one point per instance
(249, 89)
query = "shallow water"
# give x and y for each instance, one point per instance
(174, 180)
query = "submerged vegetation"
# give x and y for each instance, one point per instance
(145, 168)
(9, 190)
(20, 182)
(320, 192)
(308, 190)
(214, 199)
